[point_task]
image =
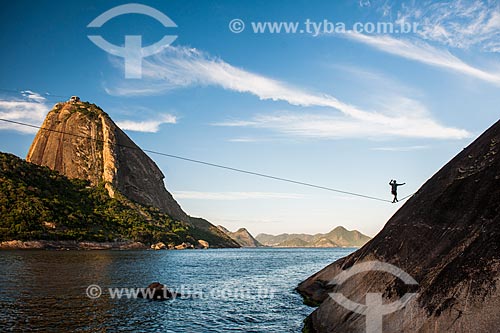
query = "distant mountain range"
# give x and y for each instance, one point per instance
(338, 237)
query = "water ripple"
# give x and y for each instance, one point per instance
(44, 291)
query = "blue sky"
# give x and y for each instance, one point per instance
(343, 110)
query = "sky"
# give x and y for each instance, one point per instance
(326, 103)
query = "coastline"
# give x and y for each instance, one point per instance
(313, 247)
(126, 245)
(70, 245)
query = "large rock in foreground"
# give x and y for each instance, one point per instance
(447, 237)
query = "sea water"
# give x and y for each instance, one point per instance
(225, 290)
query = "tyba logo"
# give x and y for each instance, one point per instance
(373, 309)
(132, 52)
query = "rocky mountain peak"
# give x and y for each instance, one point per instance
(242, 236)
(79, 140)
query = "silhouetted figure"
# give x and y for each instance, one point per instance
(394, 189)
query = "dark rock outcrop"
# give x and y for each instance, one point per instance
(447, 237)
(157, 292)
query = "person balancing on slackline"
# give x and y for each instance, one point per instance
(394, 189)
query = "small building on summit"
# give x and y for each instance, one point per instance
(74, 99)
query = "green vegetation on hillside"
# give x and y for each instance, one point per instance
(91, 110)
(37, 203)
(202, 229)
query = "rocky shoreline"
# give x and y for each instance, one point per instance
(70, 245)
(88, 245)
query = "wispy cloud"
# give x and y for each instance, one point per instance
(30, 108)
(234, 195)
(31, 95)
(179, 67)
(424, 53)
(245, 139)
(376, 82)
(400, 148)
(459, 24)
(331, 126)
(148, 126)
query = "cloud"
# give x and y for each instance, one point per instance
(364, 3)
(424, 53)
(460, 24)
(31, 95)
(148, 126)
(32, 110)
(234, 195)
(178, 67)
(331, 126)
(246, 139)
(401, 148)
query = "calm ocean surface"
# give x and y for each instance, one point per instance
(240, 290)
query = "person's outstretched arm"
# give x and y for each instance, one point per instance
(401, 184)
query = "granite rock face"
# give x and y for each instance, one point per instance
(110, 156)
(447, 237)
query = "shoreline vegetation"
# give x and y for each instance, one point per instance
(43, 209)
(121, 245)
(70, 245)
(40, 208)
(86, 195)
(39, 204)
(90, 245)
(84, 179)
